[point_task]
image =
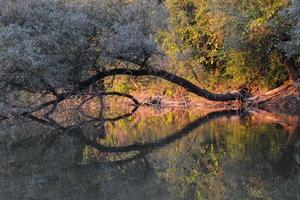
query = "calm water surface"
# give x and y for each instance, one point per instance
(153, 155)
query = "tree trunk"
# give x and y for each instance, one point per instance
(292, 69)
(189, 86)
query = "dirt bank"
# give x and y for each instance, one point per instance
(285, 99)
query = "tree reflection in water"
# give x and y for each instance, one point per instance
(221, 155)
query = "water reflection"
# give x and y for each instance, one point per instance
(159, 155)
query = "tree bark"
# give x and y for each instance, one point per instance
(189, 86)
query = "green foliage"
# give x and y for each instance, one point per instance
(232, 42)
(193, 36)
(239, 70)
(256, 30)
(277, 70)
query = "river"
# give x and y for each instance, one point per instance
(153, 154)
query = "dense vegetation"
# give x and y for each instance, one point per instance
(69, 47)
(239, 42)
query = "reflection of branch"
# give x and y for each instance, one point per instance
(140, 147)
(132, 98)
(49, 122)
(63, 96)
(163, 142)
(52, 123)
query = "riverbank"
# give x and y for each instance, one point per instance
(284, 99)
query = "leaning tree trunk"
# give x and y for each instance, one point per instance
(189, 86)
(241, 95)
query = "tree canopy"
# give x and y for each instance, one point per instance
(70, 45)
(60, 42)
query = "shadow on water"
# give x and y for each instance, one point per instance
(231, 154)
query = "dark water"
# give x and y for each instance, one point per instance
(153, 155)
